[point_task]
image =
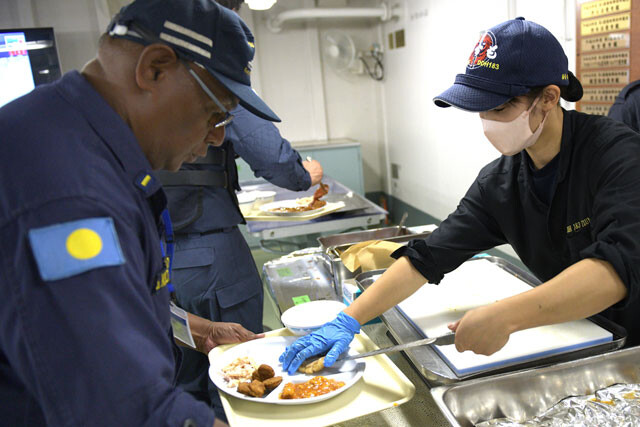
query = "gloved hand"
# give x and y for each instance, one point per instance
(335, 335)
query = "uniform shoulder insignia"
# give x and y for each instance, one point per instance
(66, 249)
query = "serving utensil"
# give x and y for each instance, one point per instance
(441, 340)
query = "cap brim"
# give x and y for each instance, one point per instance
(470, 99)
(248, 98)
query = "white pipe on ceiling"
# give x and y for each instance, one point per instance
(383, 12)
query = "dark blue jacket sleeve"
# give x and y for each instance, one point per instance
(269, 155)
(626, 107)
(94, 348)
(627, 112)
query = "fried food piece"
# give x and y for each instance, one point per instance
(255, 376)
(312, 366)
(244, 388)
(272, 383)
(256, 388)
(265, 372)
(289, 392)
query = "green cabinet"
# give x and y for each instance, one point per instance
(341, 160)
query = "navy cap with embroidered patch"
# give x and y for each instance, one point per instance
(509, 60)
(200, 31)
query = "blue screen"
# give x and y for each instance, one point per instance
(16, 77)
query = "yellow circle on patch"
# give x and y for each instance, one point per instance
(84, 243)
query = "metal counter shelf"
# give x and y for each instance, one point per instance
(435, 370)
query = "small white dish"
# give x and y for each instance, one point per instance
(305, 318)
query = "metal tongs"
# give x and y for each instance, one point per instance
(441, 340)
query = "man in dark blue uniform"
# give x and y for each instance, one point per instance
(85, 334)
(214, 273)
(626, 107)
(564, 195)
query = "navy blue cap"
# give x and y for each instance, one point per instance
(200, 31)
(509, 60)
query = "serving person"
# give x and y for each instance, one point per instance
(85, 335)
(564, 194)
(214, 274)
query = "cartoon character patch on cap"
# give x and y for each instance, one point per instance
(484, 53)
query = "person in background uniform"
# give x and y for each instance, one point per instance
(85, 333)
(626, 107)
(214, 273)
(564, 194)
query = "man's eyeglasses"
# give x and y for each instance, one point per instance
(225, 117)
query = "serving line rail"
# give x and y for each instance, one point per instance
(358, 212)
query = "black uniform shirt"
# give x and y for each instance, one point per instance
(594, 213)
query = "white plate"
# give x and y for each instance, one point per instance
(267, 350)
(291, 203)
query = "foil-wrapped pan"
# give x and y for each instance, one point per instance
(615, 406)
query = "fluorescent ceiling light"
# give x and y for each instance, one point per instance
(260, 4)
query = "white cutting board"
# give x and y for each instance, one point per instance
(479, 282)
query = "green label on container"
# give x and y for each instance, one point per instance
(301, 299)
(284, 272)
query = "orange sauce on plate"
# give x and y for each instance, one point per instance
(316, 386)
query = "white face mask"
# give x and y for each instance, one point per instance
(512, 137)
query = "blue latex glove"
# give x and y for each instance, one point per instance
(335, 335)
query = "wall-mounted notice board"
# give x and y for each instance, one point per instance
(607, 50)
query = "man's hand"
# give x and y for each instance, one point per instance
(224, 333)
(315, 170)
(207, 334)
(481, 330)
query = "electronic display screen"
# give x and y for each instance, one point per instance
(28, 58)
(15, 69)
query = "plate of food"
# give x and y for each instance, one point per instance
(298, 207)
(251, 371)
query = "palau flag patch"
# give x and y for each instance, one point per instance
(70, 248)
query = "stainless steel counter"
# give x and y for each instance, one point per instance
(422, 410)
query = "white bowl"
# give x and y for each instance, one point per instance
(305, 318)
(246, 200)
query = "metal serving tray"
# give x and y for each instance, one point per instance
(436, 371)
(337, 268)
(361, 236)
(526, 394)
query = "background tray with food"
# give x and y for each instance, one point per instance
(381, 385)
(303, 208)
(251, 371)
(260, 215)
